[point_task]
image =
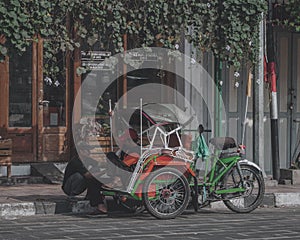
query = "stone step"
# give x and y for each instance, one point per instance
(16, 180)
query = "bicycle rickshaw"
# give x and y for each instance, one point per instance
(164, 181)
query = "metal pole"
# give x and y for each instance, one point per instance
(141, 125)
(273, 92)
(110, 123)
(218, 97)
(248, 95)
(258, 104)
(218, 83)
(124, 86)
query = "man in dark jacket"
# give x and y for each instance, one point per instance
(77, 179)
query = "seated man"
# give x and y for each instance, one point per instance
(77, 179)
(121, 163)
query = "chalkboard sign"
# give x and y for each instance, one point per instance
(94, 60)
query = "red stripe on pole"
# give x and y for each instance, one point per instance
(265, 69)
(272, 76)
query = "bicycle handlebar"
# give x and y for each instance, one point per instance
(207, 130)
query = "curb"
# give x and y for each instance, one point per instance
(271, 200)
(29, 208)
(20, 209)
(287, 199)
(17, 209)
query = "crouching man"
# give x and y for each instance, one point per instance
(77, 179)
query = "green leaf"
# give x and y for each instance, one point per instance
(3, 50)
(16, 36)
(12, 14)
(80, 71)
(15, 3)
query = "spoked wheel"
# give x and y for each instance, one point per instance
(166, 193)
(252, 197)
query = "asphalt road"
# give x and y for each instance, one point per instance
(263, 223)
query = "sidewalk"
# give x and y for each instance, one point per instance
(31, 199)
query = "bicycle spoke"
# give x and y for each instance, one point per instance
(170, 196)
(252, 182)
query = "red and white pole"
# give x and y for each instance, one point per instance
(273, 92)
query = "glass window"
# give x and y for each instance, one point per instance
(54, 100)
(97, 79)
(20, 88)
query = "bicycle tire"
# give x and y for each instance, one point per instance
(166, 193)
(255, 188)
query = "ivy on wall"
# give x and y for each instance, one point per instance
(291, 16)
(230, 29)
(227, 28)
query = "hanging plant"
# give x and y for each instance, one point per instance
(230, 29)
(227, 28)
(290, 15)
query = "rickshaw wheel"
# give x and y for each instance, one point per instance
(166, 193)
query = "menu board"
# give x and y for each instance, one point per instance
(94, 60)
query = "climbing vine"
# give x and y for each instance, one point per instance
(227, 28)
(290, 14)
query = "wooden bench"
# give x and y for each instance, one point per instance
(5, 154)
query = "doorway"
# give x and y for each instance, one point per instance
(288, 52)
(35, 111)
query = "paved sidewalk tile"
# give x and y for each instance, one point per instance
(31, 199)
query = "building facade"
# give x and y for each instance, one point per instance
(36, 111)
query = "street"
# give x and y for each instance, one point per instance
(263, 223)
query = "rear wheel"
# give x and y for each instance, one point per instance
(166, 193)
(251, 198)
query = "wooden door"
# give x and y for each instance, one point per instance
(18, 97)
(52, 111)
(34, 113)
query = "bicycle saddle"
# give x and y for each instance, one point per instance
(223, 143)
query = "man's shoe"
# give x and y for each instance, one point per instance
(97, 212)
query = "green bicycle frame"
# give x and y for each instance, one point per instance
(219, 167)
